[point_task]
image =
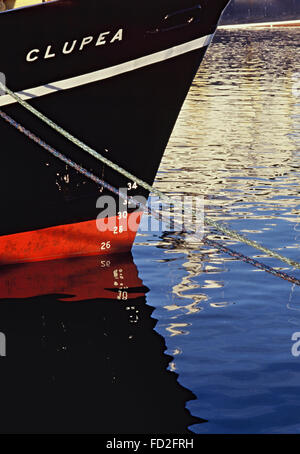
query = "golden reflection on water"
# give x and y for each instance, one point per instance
(234, 139)
(237, 144)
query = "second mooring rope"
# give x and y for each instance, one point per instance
(91, 176)
(220, 227)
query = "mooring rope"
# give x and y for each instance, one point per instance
(220, 227)
(91, 176)
(79, 143)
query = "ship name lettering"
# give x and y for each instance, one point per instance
(51, 51)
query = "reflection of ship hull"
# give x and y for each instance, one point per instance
(262, 13)
(82, 352)
(114, 74)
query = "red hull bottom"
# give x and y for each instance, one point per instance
(64, 241)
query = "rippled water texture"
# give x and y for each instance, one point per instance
(229, 325)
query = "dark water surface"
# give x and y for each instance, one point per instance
(178, 337)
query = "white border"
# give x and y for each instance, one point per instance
(109, 72)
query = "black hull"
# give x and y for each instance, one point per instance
(261, 11)
(128, 117)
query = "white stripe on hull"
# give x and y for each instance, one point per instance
(112, 71)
